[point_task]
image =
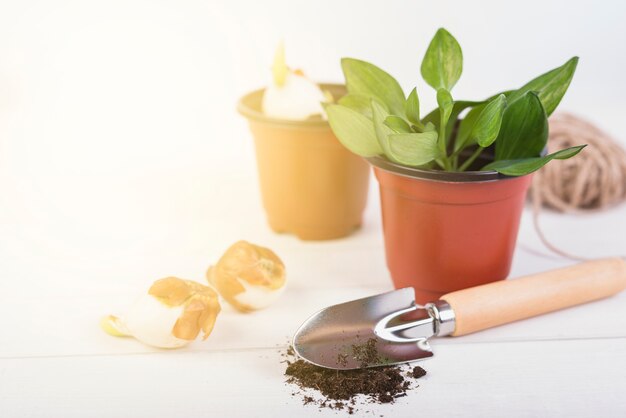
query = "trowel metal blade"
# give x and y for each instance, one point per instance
(328, 337)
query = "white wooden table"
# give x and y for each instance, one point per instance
(56, 362)
(122, 161)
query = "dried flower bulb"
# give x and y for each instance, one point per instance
(170, 315)
(248, 276)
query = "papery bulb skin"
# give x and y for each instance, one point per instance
(170, 315)
(248, 276)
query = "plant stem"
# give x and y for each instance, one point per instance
(442, 142)
(454, 157)
(456, 153)
(471, 159)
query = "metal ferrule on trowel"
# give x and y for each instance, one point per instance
(416, 323)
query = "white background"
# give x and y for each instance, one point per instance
(122, 160)
(117, 118)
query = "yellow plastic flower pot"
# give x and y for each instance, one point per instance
(310, 184)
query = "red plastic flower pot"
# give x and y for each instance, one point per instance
(447, 231)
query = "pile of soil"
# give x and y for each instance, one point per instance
(340, 388)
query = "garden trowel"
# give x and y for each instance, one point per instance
(397, 330)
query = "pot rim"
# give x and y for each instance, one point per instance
(438, 175)
(246, 108)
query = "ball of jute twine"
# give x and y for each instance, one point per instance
(592, 181)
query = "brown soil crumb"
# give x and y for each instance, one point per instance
(417, 372)
(366, 354)
(290, 351)
(382, 383)
(340, 388)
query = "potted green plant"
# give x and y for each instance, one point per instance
(453, 182)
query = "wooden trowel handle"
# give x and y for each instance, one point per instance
(498, 303)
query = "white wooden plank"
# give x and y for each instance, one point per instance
(551, 378)
(68, 326)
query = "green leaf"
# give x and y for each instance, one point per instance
(465, 127)
(414, 149)
(467, 123)
(357, 102)
(550, 87)
(397, 124)
(443, 62)
(430, 127)
(379, 114)
(353, 130)
(524, 129)
(521, 167)
(368, 80)
(412, 107)
(446, 104)
(488, 122)
(458, 107)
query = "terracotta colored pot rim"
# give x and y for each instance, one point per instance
(250, 107)
(437, 175)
